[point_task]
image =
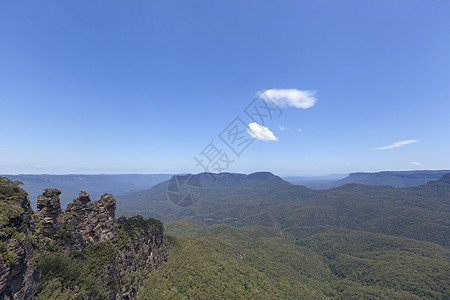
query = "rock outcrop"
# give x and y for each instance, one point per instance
(144, 253)
(135, 245)
(50, 212)
(89, 222)
(18, 278)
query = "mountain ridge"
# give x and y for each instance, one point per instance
(275, 202)
(388, 178)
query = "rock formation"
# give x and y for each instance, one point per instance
(140, 253)
(18, 278)
(137, 243)
(50, 212)
(90, 222)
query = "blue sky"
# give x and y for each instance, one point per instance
(144, 86)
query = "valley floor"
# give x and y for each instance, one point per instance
(225, 262)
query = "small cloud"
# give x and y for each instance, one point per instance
(38, 166)
(416, 163)
(397, 144)
(282, 128)
(300, 130)
(290, 97)
(260, 132)
(347, 163)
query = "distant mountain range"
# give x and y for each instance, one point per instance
(121, 184)
(421, 212)
(95, 185)
(390, 178)
(258, 236)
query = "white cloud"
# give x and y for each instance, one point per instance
(260, 132)
(397, 144)
(282, 128)
(290, 97)
(416, 163)
(300, 130)
(347, 163)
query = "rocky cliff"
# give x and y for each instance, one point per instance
(50, 212)
(89, 222)
(18, 278)
(142, 253)
(83, 252)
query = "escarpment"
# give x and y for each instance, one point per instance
(18, 278)
(143, 251)
(82, 251)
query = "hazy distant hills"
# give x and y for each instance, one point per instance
(290, 242)
(315, 182)
(258, 236)
(267, 238)
(120, 184)
(422, 212)
(95, 185)
(391, 178)
(216, 189)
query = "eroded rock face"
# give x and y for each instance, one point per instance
(83, 224)
(89, 222)
(18, 278)
(145, 252)
(50, 212)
